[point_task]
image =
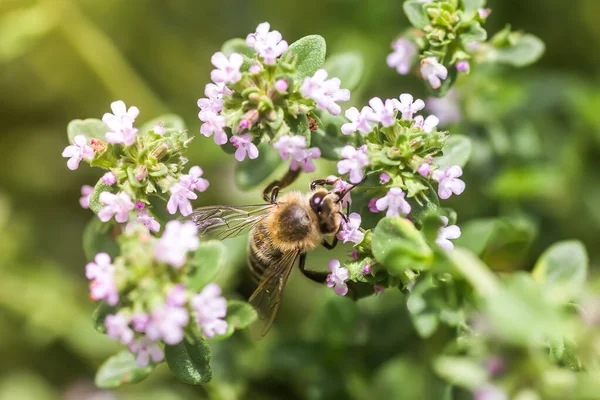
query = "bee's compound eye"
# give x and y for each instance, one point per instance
(316, 201)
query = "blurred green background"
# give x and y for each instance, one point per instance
(536, 135)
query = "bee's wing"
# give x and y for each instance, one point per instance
(267, 296)
(223, 222)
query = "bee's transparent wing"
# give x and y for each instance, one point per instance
(267, 297)
(222, 222)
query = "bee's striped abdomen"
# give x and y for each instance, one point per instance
(262, 252)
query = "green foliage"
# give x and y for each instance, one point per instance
(308, 53)
(99, 315)
(91, 128)
(120, 369)
(100, 187)
(251, 173)
(240, 315)
(416, 14)
(207, 262)
(189, 360)
(348, 67)
(456, 152)
(98, 238)
(518, 50)
(171, 122)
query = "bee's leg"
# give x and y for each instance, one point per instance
(317, 276)
(322, 182)
(271, 192)
(330, 246)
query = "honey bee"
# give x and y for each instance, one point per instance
(282, 231)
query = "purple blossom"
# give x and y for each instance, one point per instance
(78, 151)
(408, 107)
(463, 66)
(140, 322)
(86, 195)
(147, 220)
(177, 239)
(244, 146)
(446, 234)
(255, 68)
(139, 205)
(355, 159)
(227, 69)
(484, 12)
(118, 205)
(366, 269)
(281, 85)
(350, 231)
(359, 121)
(210, 309)
(167, 323)
(305, 159)
(448, 181)
(124, 136)
(117, 327)
(102, 285)
(340, 185)
(424, 169)
(159, 129)
(394, 202)
(183, 191)
(271, 47)
(433, 71)
(109, 178)
(121, 118)
(338, 277)
(325, 92)
(427, 124)
(262, 30)
(384, 178)
(373, 205)
(294, 148)
(403, 55)
(447, 108)
(146, 350)
(213, 125)
(177, 297)
(384, 113)
(489, 392)
(354, 254)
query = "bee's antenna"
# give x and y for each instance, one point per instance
(346, 191)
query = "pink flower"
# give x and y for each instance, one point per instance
(294, 148)
(394, 202)
(359, 121)
(121, 118)
(262, 30)
(373, 205)
(140, 322)
(424, 169)
(350, 231)
(403, 55)
(355, 159)
(177, 297)
(78, 151)
(383, 113)
(446, 234)
(305, 159)
(448, 181)
(147, 220)
(167, 323)
(244, 146)
(146, 350)
(177, 240)
(109, 178)
(366, 269)
(433, 71)
(210, 309)
(213, 103)
(183, 191)
(281, 85)
(426, 125)
(484, 12)
(227, 70)
(214, 124)
(325, 92)
(118, 205)
(340, 185)
(338, 277)
(408, 107)
(102, 285)
(124, 136)
(271, 47)
(117, 327)
(384, 178)
(354, 254)
(463, 66)
(159, 129)
(447, 108)
(86, 195)
(255, 68)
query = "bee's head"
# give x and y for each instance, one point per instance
(327, 208)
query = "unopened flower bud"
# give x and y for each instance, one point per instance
(424, 169)
(139, 205)
(366, 269)
(249, 119)
(254, 98)
(141, 172)
(281, 85)
(109, 178)
(98, 145)
(160, 151)
(463, 66)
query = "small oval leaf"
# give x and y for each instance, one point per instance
(456, 152)
(207, 262)
(348, 67)
(189, 361)
(91, 128)
(308, 54)
(119, 369)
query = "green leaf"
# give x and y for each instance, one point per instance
(416, 14)
(100, 314)
(251, 173)
(475, 272)
(189, 360)
(527, 50)
(237, 45)
(119, 369)
(171, 123)
(207, 262)
(309, 55)
(398, 245)
(562, 270)
(21, 29)
(459, 371)
(470, 7)
(328, 138)
(335, 321)
(91, 128)
(476, 234)
(100, 187)
(348, 67)
(419, 303)
(240, 315)
(474, 33)
(97, 238)
(299, 126)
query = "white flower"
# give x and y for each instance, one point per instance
(350, 231)
(177, 239)
(383, 113)
(428, 124)
(338, 277)
(227, 69)
(325, 92)
(78, 151)
(121, 118)
(446, 234)
(394, 202)
(408, 107)
(359, 121)
(448, 181)
(433, 71)
(118, 205)
(355, 159)
(403, 55)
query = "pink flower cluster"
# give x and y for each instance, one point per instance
(183, 191)
(355, 159)
(210, 309)
(325, 92)
(433, 71)
(210, 111)
(103, 286)
(268, 45)
(338, 277)
(294, 148)
(78, 151)
(350, 230)
(403, 55)
(177, 240)
(120, 123)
